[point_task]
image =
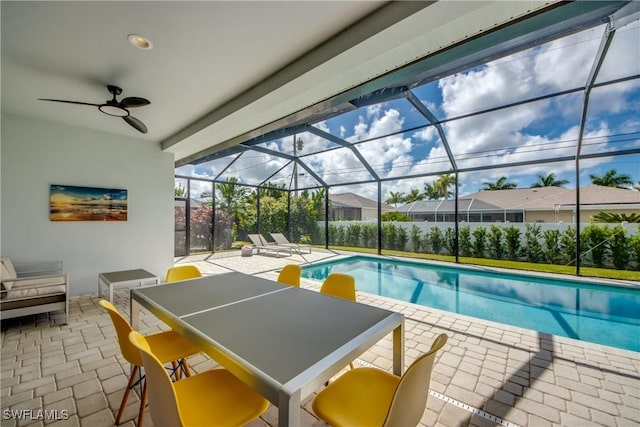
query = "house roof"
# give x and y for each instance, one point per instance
(352, 200)
(549, 198)
(522, 198)
(447, 206)
(519, 199)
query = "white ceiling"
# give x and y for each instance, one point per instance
(217, 69)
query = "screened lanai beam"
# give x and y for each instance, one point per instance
(422, 109)
(217, 177)
(605, 42)
(559, 20)
(342, 142)
(381, 95)
(290, 158)
(501, 166)
(276, 134)
(267, 179)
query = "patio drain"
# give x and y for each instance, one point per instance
(473, 410)
(464, 406)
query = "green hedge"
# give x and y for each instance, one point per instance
(602, 246)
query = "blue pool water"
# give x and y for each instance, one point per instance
(589, 312)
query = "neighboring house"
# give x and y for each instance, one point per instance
(545, 204)
(352, 207)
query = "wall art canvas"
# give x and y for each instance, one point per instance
(71, 203)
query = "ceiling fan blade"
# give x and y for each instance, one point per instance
(134, 101)
(137, 124)
(69, 102)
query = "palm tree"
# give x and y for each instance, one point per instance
(233, 198)
(395, 197)
(612, 179)
(231, 195)
(430, 191)
(442, 185)
(413, 196)
(549, 181)
(613, 218)
(500, 184)
(272, 190)
(317, 201)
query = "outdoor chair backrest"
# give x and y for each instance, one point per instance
(290, 275)
(182, 272)
(340, 285)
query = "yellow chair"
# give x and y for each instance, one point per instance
(182, 272)
(372, 397)
(342, 286)
(290, 275)
(168, 346)
(213, 398)
(339, 285)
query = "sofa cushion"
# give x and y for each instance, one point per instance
(7, 271)
(36, 287)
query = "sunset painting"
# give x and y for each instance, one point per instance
(70, 203)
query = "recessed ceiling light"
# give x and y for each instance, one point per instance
(139, 41)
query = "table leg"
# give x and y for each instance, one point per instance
(99, 287)
(398, 349)
(289, 409)
(134, 310)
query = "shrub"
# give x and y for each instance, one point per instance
(568, 246)
(352, 235)
(464, 240)
(551, 251)
(619, 247)
(305, 239)
(595, 243)
(395, 216)
(532, 246)
(336, 235)
(401, 238)
(370, 235)
(634, 246)
(340, 235)
(425, 243)
(388, 235)
(512, 242)
(450, 240)
(416, 235)
(496, 244)
(479, 242)
(435, 240)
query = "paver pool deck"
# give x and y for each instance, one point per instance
(487, 374)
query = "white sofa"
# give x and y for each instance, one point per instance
(33, 288)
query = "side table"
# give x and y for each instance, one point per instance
(123, 278)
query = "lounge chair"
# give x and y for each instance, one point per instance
(261, 244)
(281, 240)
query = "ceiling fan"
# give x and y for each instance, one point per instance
(116, 108)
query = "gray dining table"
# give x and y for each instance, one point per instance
(284, 341)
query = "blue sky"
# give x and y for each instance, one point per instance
(546, 129)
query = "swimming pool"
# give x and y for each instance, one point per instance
(597, 313)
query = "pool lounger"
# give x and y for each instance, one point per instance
(260, 244)
(281, 240)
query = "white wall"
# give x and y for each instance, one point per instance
(36, 154)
